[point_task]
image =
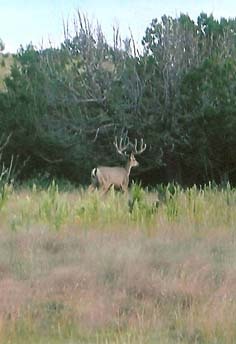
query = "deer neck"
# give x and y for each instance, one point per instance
(128, 167)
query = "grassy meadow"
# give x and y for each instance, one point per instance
(6, 61)
(154, 267)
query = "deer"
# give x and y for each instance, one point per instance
(104, 177)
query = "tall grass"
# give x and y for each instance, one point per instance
(6, 62)
(157, 266)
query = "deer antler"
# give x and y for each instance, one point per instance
(142, 148)
(123, 145)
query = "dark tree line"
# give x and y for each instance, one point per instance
(63, 107)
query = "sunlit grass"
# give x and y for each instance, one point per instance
(6, 62)
(152, 266)
(196, 209)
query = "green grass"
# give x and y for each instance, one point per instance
(157, 266)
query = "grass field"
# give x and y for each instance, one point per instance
(76, 267)
(6, 61)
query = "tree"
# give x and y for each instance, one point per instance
(65, 106)
(2, 45)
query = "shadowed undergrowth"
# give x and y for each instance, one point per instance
(80, 268)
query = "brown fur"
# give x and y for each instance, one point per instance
(104, 177)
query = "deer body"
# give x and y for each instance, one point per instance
(106, 176)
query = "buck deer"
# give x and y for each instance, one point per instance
(105, 176)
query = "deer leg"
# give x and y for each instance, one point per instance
(124, 188)
(106, 189)
(91, 188)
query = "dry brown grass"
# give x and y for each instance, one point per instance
(5, 67)
(120, 284)
(103, 281)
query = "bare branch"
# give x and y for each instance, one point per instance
(96, 136)
(56, 161)
(6, 142)
(100, 129)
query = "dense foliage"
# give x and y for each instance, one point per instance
(64, 106)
